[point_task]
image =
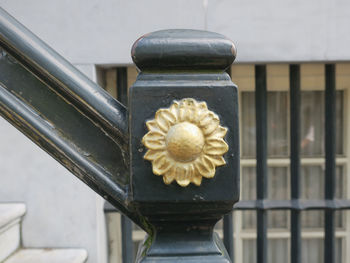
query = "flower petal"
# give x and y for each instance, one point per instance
(152, 155)
(215, 147)
(220, 132)
(197, 179)
(202, 105)
(181, 176)
(165, 119)
(161, 165)
(189, 170)
(190, 114)
(209, 122)
(182, 114)
(153, 126)
(216, 160)
(209, 128)
(205, 167)
(190, 106)
(208, 117)
(174, 108)
(154, 141)
(169, 176)
(183, 182)
(155, 135)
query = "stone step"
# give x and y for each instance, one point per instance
(48, 255)
(10, 228)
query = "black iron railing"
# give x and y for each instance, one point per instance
(45, 97)
(295, 205)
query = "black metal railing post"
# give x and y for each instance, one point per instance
(126, 223)
(294, 90)
(261, 159)
(184, 174)
(330, 151)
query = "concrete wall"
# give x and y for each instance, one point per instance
(284, 30)
(102, 32)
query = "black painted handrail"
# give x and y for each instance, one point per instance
(64, 112)
(57, 72)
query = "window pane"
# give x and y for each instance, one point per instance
(277, 190)
(312, 187)
(248, 183)
(277, 105)
(277, 250)
(312, 250)
(312, 182)
(277, 219)
(248, 192)
(277, 183)
(313, 122)
(340, 183)
(248, 125)
(339, 250)
(312, 219)
(249, 251)
(340, 216)
(248, 219)
(277, 121)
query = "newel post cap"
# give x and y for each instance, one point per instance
(177, 49)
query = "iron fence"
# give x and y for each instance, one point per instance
(262, 204)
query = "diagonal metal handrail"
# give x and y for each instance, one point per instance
(63, 77)
(65, 113)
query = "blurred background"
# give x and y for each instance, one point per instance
(96, 36)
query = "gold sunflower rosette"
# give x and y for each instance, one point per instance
(185, 142)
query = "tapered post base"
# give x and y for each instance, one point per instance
(183, 244)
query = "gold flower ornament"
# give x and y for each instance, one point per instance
(185, 142)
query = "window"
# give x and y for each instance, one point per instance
(278, 148)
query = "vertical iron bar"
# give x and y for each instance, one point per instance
(261, 159)
(228, 220)
(228, 234)
(122, 85)
(127, 244)
(330, 95)
(294, 90)
(126, 224)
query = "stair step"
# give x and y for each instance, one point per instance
(10, 228)
(48, 255)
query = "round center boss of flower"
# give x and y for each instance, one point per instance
(185, 142)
